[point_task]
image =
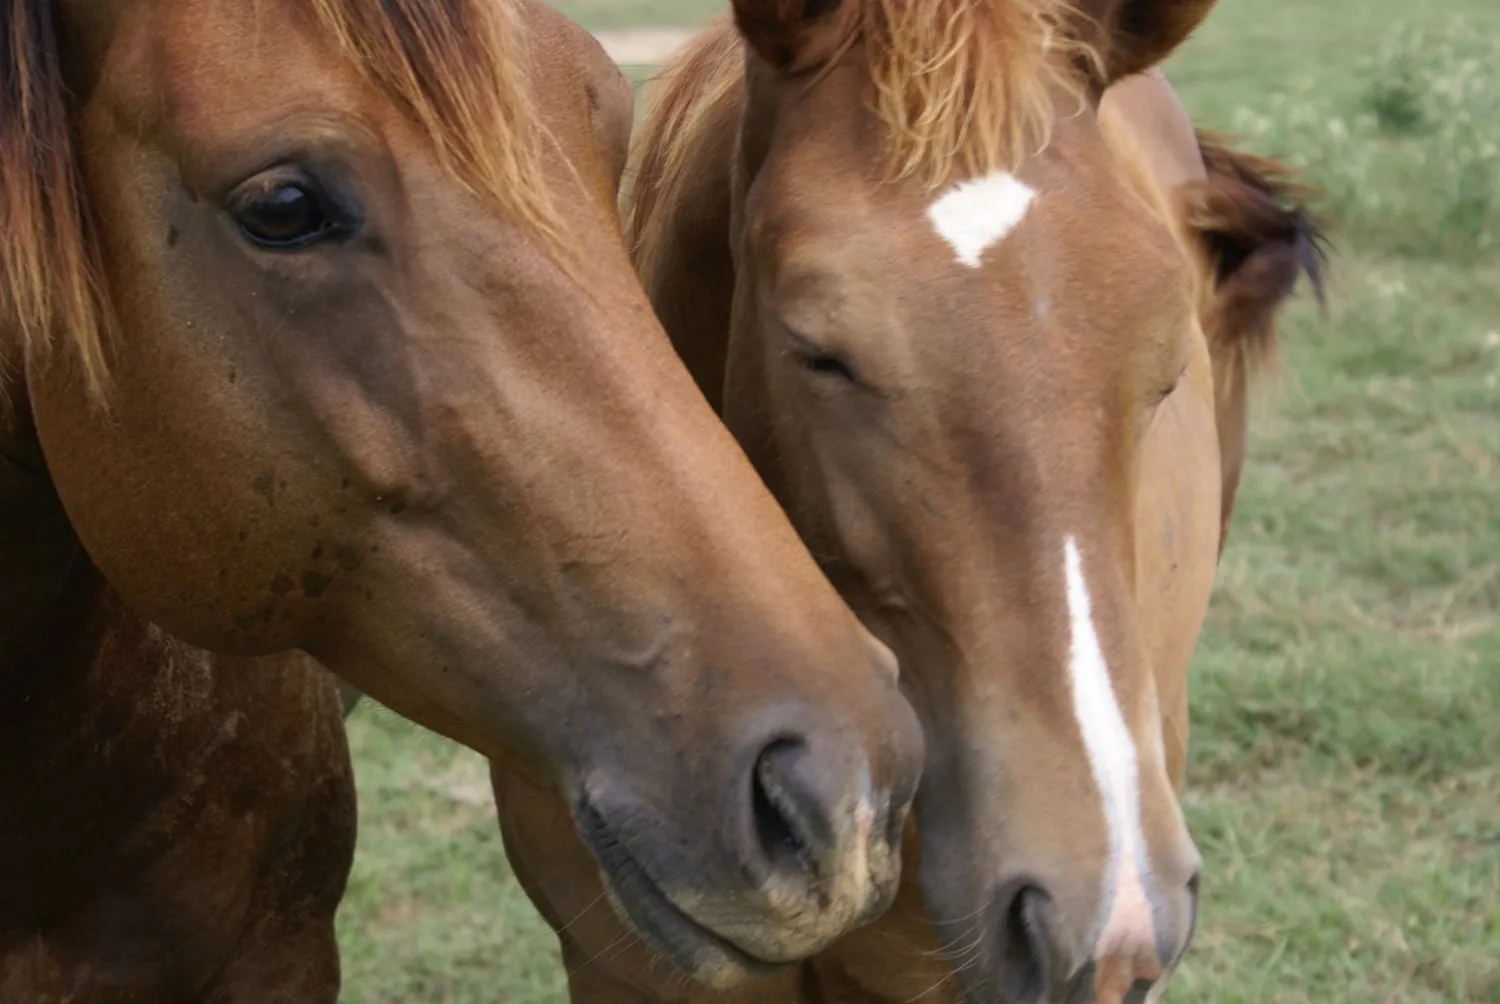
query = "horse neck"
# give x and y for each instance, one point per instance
(80, 674)
(105, 727)
(682, 222)
(690, 283)
(113, 735)
(64, 634)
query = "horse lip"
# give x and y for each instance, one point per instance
(660, 923)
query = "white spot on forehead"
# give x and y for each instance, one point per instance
(975, 215)
(1112, 757)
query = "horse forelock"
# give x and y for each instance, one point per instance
(460, 69)
(965, 88)
(457, 67)
(958, 87)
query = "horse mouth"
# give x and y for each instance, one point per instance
(696, 950)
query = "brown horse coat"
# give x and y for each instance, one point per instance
(175, 826)
(1245, 241)
(316, 333)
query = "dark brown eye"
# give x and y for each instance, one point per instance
(282, 215)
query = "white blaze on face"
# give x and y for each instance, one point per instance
(1128, 927)
(975, 215)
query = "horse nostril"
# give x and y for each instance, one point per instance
(1023, 952)
(791, 809)
(1192, 919)
(778, 837)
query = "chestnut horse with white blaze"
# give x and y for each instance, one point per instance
(981, 306)
(317, 335)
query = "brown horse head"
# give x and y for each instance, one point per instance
(967, 357)
(329, 342)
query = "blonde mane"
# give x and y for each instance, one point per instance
(457, 67)
(460, 69)
(967, 86)
(685, 109)
(958, 86)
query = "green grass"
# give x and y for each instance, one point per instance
(1345, 778)
(600, 15)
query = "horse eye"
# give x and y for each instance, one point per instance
(828, 364)
(1170, 388)
(282, 215)
(818, 358)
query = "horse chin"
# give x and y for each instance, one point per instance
(668, 929)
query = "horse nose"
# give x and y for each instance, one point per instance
(817, 826)
(1024, 943)
(1033, 963)
(1138, 953)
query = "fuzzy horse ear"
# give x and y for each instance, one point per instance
(1135, 35)
(783, 31)
(1259, 238)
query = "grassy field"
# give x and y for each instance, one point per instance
(1345, 779)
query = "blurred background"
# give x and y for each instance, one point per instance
(1344, 785)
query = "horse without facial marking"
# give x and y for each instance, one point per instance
(971, 337)
(319, 331)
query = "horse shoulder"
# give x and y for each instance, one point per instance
(183, 819)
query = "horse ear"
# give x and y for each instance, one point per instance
(1135, 35)
(1259, 238)
(782, 31)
